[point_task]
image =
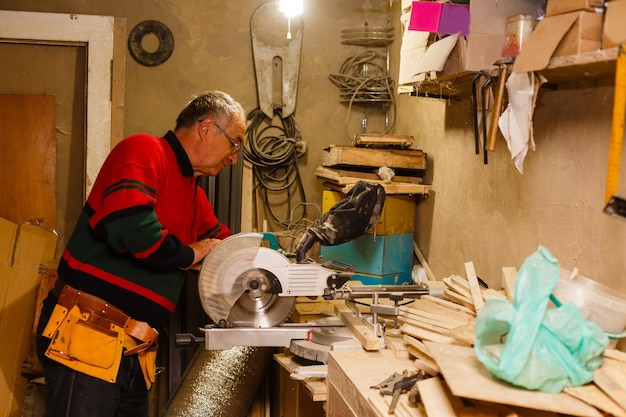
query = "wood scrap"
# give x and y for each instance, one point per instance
(422, 260)
(508, 281)
(361, 331)
(458, 365)
(464, 334)
(383, 140)
(459, 289)
(409, 159)
(450, 305)
(615, 354)
(592, 395)
(425, 334)
(459, 299)
(472, 279)
(490, 292)
(424, 364)
(348, 175)
(425, 317)
(610, 378)
(429, 306)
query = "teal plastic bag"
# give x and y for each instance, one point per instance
(532, 346)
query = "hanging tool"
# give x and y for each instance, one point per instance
(616, 206)
(276, 57)
(502, 64)
(488, 79)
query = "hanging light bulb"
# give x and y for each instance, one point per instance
(291, 8)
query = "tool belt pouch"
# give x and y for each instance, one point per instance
(85, 342)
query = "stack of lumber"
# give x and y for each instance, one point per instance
(439, 335)
(344, 166)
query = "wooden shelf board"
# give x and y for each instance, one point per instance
(561, 69)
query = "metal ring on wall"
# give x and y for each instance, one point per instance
(162, 33)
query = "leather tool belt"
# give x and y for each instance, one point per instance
(89, 335)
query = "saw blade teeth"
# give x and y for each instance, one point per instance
(224, 285)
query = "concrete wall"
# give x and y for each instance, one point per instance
(488, 214)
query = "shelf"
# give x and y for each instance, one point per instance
(562, 69)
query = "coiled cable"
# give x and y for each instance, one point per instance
(363, 78)
(273, 152)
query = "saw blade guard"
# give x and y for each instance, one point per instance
(234, 290)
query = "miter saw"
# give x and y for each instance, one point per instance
(248, 286)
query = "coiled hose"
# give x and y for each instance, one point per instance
(273, 152)
(363, 78)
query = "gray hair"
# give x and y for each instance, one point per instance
(214, 104)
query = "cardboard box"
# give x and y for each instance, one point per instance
(585, 35)
(487, 24)
(614, 30)
(564, 34)
(554, 7)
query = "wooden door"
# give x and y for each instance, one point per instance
(28, 159)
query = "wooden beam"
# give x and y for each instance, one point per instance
(472, 279)
(361, 331)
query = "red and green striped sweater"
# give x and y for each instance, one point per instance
(130, 240)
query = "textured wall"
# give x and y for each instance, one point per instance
(490, 215)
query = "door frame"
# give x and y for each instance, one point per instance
(97, 34)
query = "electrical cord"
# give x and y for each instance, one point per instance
(273, 151)
(362, 78)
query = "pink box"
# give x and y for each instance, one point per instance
(425, 16)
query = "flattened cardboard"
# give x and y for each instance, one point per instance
(543, 42)
(614, 31)
(554, 7)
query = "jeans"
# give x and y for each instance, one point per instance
(73, 394)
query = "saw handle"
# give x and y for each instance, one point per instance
(272, 239)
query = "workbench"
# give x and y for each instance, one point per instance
(351, 374)
(305, 398)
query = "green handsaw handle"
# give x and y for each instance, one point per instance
(617, 126)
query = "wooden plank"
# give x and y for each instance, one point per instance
(490, 292)
(425, 334)
(437, 398)
(344, 176)
(361, 331)
(472, 279)
(397, 188)
(422, 259)
(458, 365)
(393, 158)
(449, 304)
(594, 396)
(424, 325)
(459, 299)
(615, 354)
(508, 281)
(353, 373)
(610, 378)
(457, 288)
(383, 139)
(426, 317)
(423, 304)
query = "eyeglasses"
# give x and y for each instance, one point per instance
(235, 147)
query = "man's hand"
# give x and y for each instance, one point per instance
(200, 249)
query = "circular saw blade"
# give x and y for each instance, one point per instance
(233, 291)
